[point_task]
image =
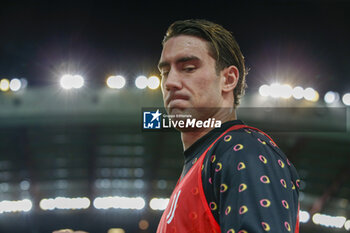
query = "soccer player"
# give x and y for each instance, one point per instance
(236, 179)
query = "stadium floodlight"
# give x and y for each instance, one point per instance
(286, 91)
(328, 221)
(116, 82)
(4, 84)
(346, 99)
(309, 94)
(158, 203)
(117, 202)
(24, 185)
(331, 97)
(16, 206)
(24, 83)
(264, 90)
(347, 225)
(141, 82)
(298, 92)
(47, 204)
(77, 81)
(15, 84)
(316, 96)
(304, 216)
(275, 90)
(64, 203)
(69, 81)
(66, 81)
(153, 82)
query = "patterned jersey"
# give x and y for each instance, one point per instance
(248, 182)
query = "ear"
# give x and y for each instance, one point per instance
(230, 78)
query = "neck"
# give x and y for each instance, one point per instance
(190, 137)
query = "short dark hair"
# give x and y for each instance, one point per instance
(222, 47)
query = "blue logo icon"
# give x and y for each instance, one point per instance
(151, 120)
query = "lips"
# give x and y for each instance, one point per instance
(176, 96)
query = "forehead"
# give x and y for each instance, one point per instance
(184, 45)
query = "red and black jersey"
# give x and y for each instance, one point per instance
(245, 184)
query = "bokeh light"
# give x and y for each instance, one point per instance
(286, 91)
(143, 224)
(328, 221)
(153, 82)
(346, 99)
(264, 90)
(16, 206)
(69, 81)
(304, 216)
(298, 92)
(116, 82)
(64, 203)
(159, 203)
(275, 90)
(117, 202)
(330, 97)
(309, 94)
(141, 82)
(15, 84)
(4, 85)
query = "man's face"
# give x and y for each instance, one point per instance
(189, 78)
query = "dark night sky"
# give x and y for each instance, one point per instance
(300, 42)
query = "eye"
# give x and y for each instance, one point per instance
(164, 74)
(189, 68)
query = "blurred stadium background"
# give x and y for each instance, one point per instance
(72, 150)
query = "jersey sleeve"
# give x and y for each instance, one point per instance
(254, 188)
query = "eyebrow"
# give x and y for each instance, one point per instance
(180, 60)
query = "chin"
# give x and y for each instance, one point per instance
(177, 108)
(174, 111)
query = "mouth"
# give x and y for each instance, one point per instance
(176, 98)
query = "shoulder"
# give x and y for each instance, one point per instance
(252, 146)
(244, 140)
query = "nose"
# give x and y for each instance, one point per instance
(172, 81)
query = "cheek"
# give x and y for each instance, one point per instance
(207, 91)
(208, 84)
(162, 87)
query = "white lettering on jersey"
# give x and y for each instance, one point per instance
(171, 214)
